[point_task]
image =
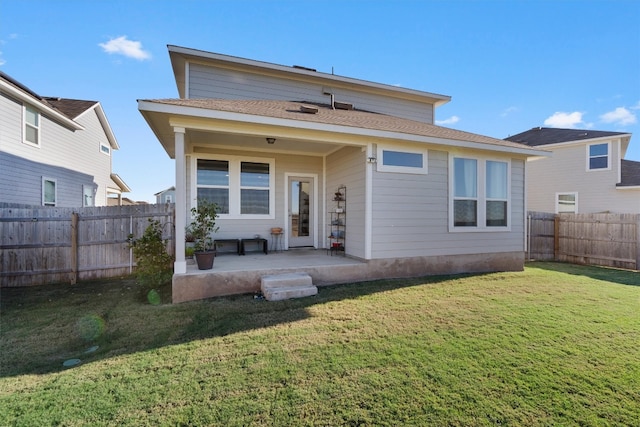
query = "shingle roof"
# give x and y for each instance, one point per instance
(326, 115)
(72, 108)
(629, 173)
(544, 136)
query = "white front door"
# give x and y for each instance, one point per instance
(301, 211)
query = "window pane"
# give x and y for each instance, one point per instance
(566, 203)
(219, 196)
(598, 150)
(49, 192)
(465, 213)
(598, 163)
(496, 180)
(254, 174)
(31, 134)
(213, 172)
(400, 158)
(254, 202)
(465, 177)
(31, 116)
(496, 213)
(88, 195)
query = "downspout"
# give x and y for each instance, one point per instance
(368, 202)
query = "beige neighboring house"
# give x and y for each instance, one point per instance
(272, 144)
(55, 151)
(587, 172)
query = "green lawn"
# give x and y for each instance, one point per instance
(553, 345)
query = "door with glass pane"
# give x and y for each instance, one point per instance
(301, 212)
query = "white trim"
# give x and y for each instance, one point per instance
(609, 159)
(481, 195)
(368, 204)
(234, 184)
(55, 189)
(108, 147)
(381, 167)
(559, 193)
(186, 79)
(180, 264)
(314, 222)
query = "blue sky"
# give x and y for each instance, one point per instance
(508, 65)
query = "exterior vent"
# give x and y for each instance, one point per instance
(342, 105)
(309, 109)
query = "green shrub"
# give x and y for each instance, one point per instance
(154, 264)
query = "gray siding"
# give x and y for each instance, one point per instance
(410, 215)
(210, 82)
(347, 167)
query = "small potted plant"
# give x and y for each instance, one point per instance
(203, 225)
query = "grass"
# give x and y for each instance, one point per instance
(553, 345)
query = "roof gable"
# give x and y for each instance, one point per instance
(545, 136)
(72, 108)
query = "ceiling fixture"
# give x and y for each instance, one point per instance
(271, 140)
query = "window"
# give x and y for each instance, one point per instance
(31, 126)
(49, 192)
(598, 156)
(480, 194)
(88, 198)
(241, 187)
(566, 202)
(168, 198)
(402, 161)
(105, 149)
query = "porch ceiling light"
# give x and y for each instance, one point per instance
(271, 140)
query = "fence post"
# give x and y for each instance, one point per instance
(556, 237)
(74, 248)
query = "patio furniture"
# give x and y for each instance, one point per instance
(258, 241)
(235, 242)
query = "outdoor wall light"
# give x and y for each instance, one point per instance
(271, 140)
(371, 159)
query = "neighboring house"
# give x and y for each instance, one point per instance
(166, 196)
(586, 173)
(54, 151)
(271, 145)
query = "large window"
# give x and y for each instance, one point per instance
(31, 126)
(241, 187)
(598, 156)
(480, 194)
(88, 195)
(49, 192)
(566, 202)
(402, 160)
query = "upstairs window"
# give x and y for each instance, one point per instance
(31, 126)
(598, 156)
(105, 149)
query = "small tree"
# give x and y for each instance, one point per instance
(203, 225)
(154, 264)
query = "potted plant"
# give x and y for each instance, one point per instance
(203, 225)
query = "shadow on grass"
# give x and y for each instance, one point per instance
(46, 325)
(613, 275)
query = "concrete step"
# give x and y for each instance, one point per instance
(280, 287)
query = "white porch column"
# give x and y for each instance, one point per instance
(180, 265)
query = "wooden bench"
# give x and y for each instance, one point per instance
(222, 242)
(263, 242)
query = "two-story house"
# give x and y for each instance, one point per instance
(54, 151)
(587, 172)
(273, 144)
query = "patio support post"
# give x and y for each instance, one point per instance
(180, 265)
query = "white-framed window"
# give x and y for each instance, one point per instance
(402, 160)
(598, 156)
(168, 198)
(242, 187)
(49, 192)
(567, 202)
(105, 149)
(31, 133)
(88, 195)
(480, 191)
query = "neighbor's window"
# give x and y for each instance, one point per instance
(566, 202)
(402, 161)
(168, 198)
(105, 149)
(31, 126)
(480, 194)
(49, 192)
(88, 192)
(598, 156)
(213, 183)
(254, 188)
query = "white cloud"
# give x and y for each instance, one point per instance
(620, 116)
(561, 119)
(450, 121)
(637, 106)
(128, 48)
(508, 111)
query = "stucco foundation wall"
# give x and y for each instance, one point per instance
(189, 287)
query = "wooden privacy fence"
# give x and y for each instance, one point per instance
(53, 245)
(600, 239)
